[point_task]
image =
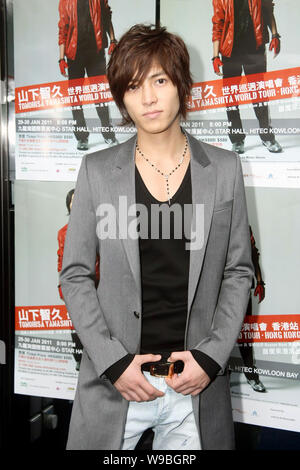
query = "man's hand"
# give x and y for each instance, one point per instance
(192, 379)
(63, 66)
(112, 47)
(133, 385)
(275, 44)
(260, 291)
(217, 63)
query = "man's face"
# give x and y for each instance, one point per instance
(154, 104)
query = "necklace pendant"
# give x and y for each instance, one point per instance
(165, 175)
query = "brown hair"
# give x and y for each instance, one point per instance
(134, 55)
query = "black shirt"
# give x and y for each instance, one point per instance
(86, 40)
(164, 276)
(244, 37)
(164, 269)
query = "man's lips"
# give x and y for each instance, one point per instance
(152, 114)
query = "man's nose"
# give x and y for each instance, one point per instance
(148, 95)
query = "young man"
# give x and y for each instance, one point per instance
(159, 329)
(82, 37)
(240, 33)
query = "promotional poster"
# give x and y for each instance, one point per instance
(245, 110)
(63, 104)
(47, 350)
(52, 135)
(265, 363)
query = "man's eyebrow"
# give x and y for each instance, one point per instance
(134, 81)
(160, 72)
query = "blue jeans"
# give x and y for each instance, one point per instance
(171, 417)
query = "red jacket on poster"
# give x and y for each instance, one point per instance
(61, 236)
(67, 26)
(223, 22)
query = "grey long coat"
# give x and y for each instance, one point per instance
(106, 319)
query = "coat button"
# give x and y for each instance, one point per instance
(136, 314)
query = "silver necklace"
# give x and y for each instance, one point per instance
(165, 175)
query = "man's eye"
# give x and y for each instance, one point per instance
(132, 87)
(160, 81)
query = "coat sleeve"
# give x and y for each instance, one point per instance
(267, 7)
(63, 24)
(236, 283)
(107, 9)
(77, 279)
(217, 20)
(60, 252)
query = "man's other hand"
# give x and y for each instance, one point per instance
(192, 379)
(217, 63)
(112, 47)
(63, 66)
(275, 44)
(260, 291)
(133, 385)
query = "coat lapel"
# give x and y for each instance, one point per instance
(203, 192)
(123, 184)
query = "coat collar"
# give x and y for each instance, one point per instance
(125, 155)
